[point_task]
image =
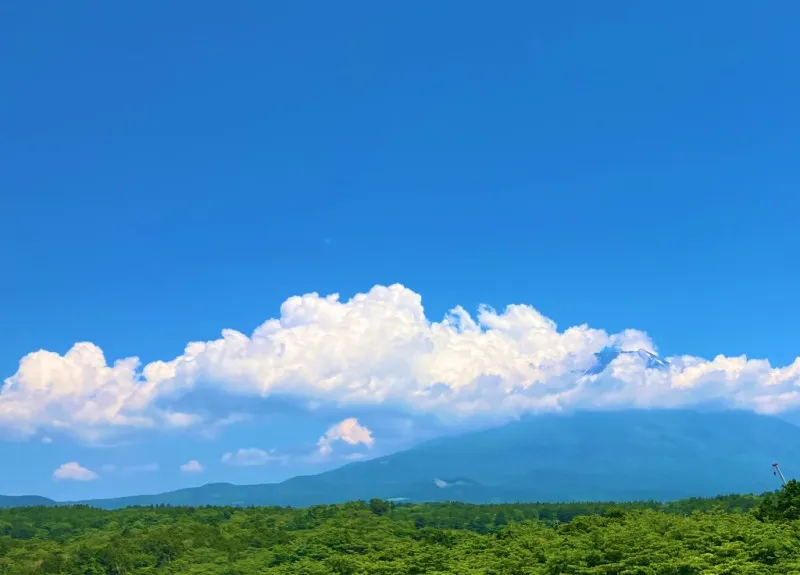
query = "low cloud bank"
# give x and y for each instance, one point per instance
(379, 349)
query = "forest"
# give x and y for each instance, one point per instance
(730, 535)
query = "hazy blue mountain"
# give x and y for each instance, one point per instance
(624, 455)
(24, 501)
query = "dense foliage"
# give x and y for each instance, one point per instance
(783, 505)
(723, 536)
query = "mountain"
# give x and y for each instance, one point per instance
(623, 456)
(24, 501)
(605, 356)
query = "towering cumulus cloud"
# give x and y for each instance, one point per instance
(379, 349)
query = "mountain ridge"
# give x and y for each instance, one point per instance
(614, 455)
(25, 501)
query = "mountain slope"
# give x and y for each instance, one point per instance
(24, 501)
(621, 456)
(627, 455)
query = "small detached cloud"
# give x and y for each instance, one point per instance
(350, 431)
(250, 457)
(47, 440)
(192, 466)
(73, 471)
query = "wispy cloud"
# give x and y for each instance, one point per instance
(143, 468)
(212, 430)
(251, 456)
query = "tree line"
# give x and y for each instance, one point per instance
(735, 534)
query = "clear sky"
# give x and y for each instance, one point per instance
(170, 170)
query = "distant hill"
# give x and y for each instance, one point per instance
(620, 456)
(24, 501)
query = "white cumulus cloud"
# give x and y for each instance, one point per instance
(74, 472)
(250, 456)
(192, 466)
(350, 431)
(379, 349)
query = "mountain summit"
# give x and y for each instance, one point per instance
(607, 355)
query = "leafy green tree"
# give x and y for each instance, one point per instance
(783, 505)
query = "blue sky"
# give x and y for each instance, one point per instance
(170, 171)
